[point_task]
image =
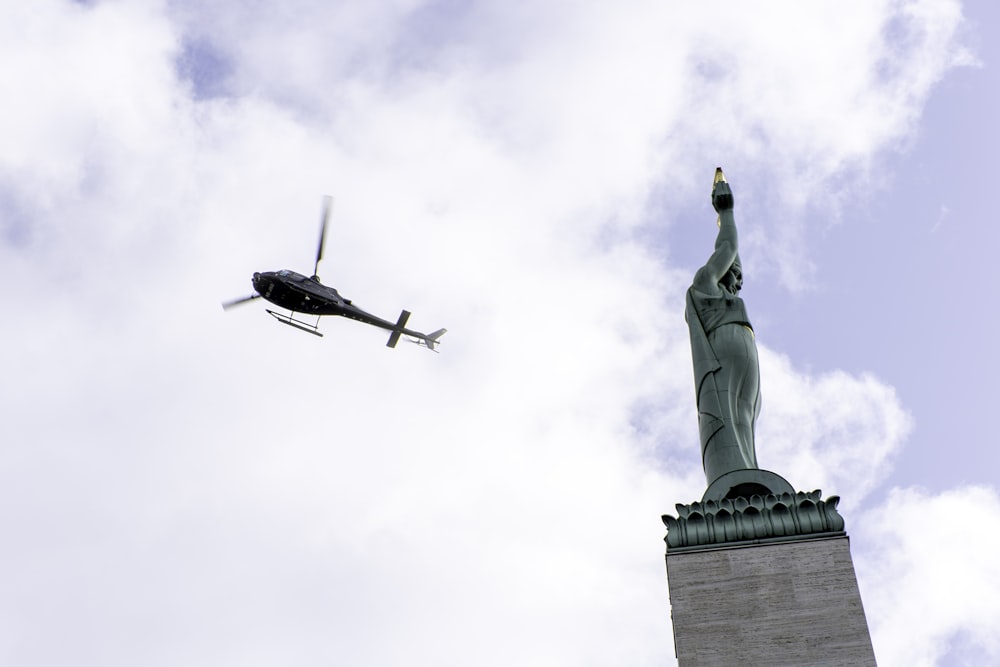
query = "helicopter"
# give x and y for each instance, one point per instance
(306, 295)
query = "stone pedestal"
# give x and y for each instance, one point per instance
(768, 582)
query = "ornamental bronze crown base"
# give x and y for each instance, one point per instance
(753, 519)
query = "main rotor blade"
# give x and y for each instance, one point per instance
(235, 302)
(327, 207)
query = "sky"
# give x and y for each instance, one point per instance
(180, 485)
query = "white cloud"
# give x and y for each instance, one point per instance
(183, 486)
(929, 576)
(831, 431)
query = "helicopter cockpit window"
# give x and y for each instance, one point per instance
(284, 272)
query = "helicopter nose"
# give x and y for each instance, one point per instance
(256, 281)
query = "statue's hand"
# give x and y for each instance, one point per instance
(722, 197)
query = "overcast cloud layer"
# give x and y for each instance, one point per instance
(183, 486)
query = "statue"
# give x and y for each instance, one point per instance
(726, 373)
(744, 503)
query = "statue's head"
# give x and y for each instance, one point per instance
(732, 281)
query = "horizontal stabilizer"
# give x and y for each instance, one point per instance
(400, 323)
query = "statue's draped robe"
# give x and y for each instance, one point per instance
(726, 379)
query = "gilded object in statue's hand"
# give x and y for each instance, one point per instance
(722, 194)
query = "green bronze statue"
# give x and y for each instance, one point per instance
(743, 503)
(726, 373)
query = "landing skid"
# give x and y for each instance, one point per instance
(298, 324)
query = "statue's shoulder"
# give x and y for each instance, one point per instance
(705, 283)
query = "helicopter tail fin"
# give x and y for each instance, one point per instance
(432, 338)
(400, 323)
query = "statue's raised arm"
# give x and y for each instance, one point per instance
(715, 275)
(726, 375)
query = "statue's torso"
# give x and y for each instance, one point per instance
(716, 310)
(727, 384)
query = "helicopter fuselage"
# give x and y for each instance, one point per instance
(302, 294)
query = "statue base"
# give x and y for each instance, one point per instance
(746, 483)
(791, 603)
(760, 578)
(753, 519)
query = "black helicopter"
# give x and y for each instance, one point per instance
(307, 295)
